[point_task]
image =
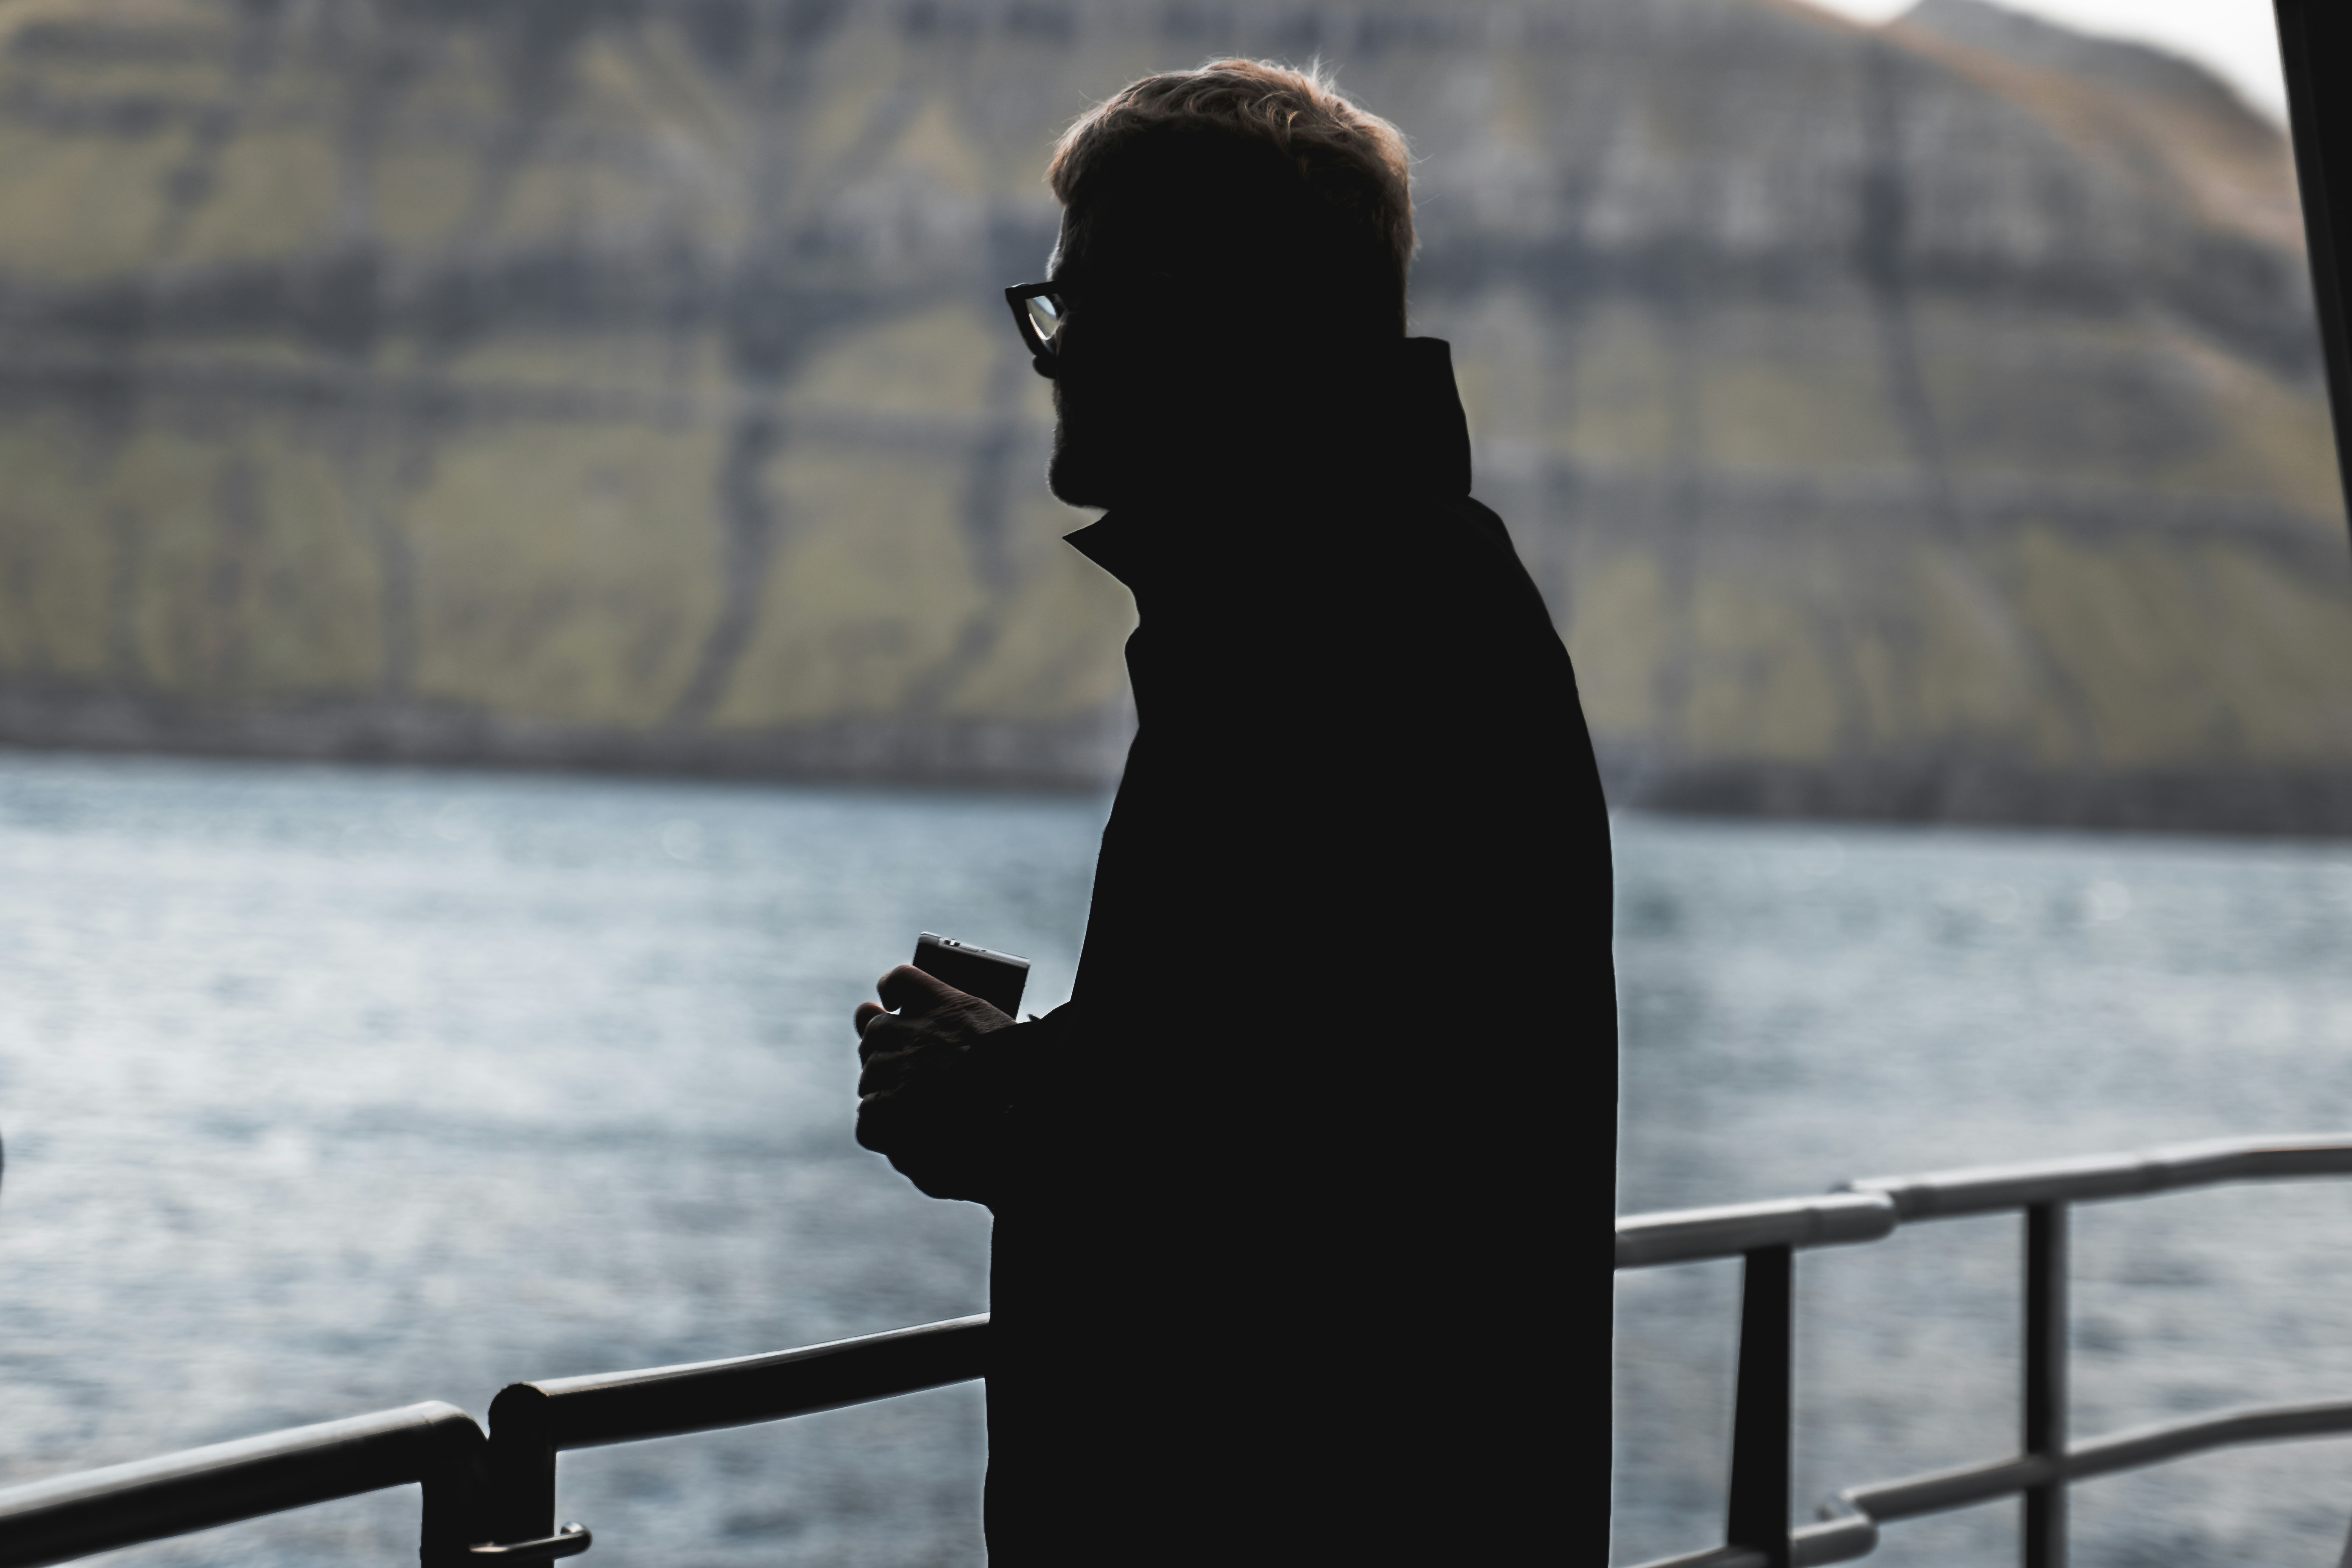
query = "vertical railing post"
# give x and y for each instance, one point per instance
(2044, 1545)
(1761, 1416)
(521, 1468)
(452, 1482)
(453, 1518)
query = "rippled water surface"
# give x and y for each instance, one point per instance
(326, 1091)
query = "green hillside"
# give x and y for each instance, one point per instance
(1918, 422)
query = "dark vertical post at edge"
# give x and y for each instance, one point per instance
(522, 1465)
(454, 1484)
(2045, 1544)
(1761, 1416)
(2315, 50)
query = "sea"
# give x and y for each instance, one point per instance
(328, 1089)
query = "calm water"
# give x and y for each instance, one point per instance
(326, 1091)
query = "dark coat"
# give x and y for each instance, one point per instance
(1306, 1256)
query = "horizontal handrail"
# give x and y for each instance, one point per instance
(2140, 1446)
(66, 1516)
(1840, 1541)
(1689, 1236)
(1760, 1536)
(1989, 1189)
(1716, 1557)
(2126, 1450)
(1940, 1491)
(1866, 1508)
(1871, 1208)
(439, 1445)
(701, 1396)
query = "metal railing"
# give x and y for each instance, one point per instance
(1758, 1532)
(58, 1519)
(485, 1501)
(530, 1423)
(493, 1499)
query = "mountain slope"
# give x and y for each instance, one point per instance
(1913, 421)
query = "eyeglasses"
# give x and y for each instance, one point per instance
(1039, 309)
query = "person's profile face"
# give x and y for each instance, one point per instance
(1135, 360)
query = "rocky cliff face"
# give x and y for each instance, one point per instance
(1919, 421)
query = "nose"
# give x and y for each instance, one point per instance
(1044, 365)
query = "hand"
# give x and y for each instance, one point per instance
(932, 1097)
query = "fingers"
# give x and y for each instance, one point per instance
(908, 989)
(907, 993)
(885, 1071)
(916, 1084)
(885, 1034)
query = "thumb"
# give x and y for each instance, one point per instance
(908, 989)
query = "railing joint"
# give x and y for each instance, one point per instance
(569, 1542)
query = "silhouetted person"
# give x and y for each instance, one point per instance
(1303, 1202)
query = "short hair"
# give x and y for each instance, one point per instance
(1344, 172)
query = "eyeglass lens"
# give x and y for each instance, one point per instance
(1046, 316)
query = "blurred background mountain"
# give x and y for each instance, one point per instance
(1923, 421)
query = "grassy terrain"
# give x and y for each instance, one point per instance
(1880, 411)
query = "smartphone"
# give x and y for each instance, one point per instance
(996, 978)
